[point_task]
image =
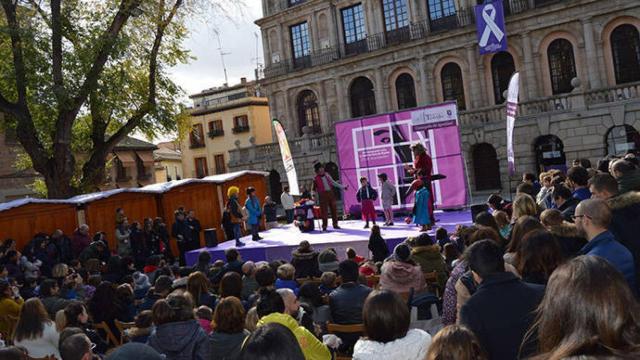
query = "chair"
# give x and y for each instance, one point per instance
(109, 334)
(344, 329)
(122, 326)
(431, 278)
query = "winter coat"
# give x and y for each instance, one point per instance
(629, 182)
(569, 208)
(429, 259)
(287, 201)
(227, 346)
(10, 310)
(500, 313)
(253, 209)
(196, 228)
(607, 247)
(181, 340)
(312, 348)
(378, 248)
(287, 284)
(421, 207)
(306, 263)
(582, 194)
(123, 236)
(270, 213)
(181, 232)
(91, 252)
(413, 346)
(79, 242)
(625, 223)
(450, 296)
(346, 303)
(54, 303)
(366, 193)
(401, 277)
(568, 239)
(387, 194)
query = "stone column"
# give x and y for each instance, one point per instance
(325, 124)
(313, 29)
(529, 72)
(369, 18)
(590, 61)
(380, 92)
(290, 121)
(343, 98)
(476, 96)
(332, 24)
(422, 86)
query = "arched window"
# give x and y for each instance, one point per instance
(486, 168)
(562, 65)
(405, 92)
(620, 139)
(502, 67)
(625, 46)
(363, 99)
(452, 86)
(308, 114)
(549, 151)
(275, 185)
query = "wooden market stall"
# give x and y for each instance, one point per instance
(22, 219)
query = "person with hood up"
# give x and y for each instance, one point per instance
(305, 260)
(178, 335)
(427, 255)
(400, 273)
(235, 216)
(271, 309)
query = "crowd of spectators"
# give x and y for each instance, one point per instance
(552, 274)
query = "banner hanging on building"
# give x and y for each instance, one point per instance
(287, 159)
(512, 107)
(492, 35)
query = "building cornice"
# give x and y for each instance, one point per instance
(253, 102)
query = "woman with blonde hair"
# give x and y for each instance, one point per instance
(523, 205)
(455, 342)
(35, 331)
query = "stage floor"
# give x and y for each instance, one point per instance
(278, 243)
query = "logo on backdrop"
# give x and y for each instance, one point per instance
(491, 32)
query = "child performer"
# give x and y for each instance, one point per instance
(366, 195)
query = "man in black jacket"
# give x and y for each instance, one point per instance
(194, 225)
(346, 302)
(181, 231)
(502, 309)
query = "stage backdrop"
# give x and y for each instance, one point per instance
(382, 144)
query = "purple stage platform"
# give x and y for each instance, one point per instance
(278, 243)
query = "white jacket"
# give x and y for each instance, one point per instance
(45, 345)
(287, 201)
(413, 346)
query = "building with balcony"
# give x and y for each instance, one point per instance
(168, 160)
(223, 119)
(579, 62)
(132, 164)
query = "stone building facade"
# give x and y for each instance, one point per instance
(14, 183)
(579, 64)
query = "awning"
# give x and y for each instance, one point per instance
(146, 157)
(126, 158)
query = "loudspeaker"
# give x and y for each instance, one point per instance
(477, 209)
(210, 237)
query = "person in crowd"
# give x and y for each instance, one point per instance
(162, 234)
(182, 232)
(161, 288)
(305, 260)
(134, 351)
(255, 213)
(198, 288)
(13, 353)
(124, 304)
(592, 219)
(271, 309)
(102, 306)
(353, 256)
(523, 205)
(525, 188)
(123, 238)
(194, 225)
(76, 316)
(451, 256)
(327, 282)
(95, 250)
(59, 249)
(377, 245)
(234, 263)
(12, 263)
(538, 256)
(266, 279)
(143, 325)
(269, 209)
(627, 175)
(203, 264)
(10, 305)
(324, 184)
(292, 306)
(231, 285)
(485, 219)
(582, 162)
(387, 197)
(80, 240)
(366, 196)
(204, 315)
(386, 321)
(573, 321)
(137, 242)
(577, 179)
(311, 297)
(499, 312)
(543, 199)
(347, 301)
(529, 178)
(228, 329)
(286, 199)
(286, 278)
(564, 201)
(420, 213)
(49, 294)
(152, 243)
(249, 283)
(270, 342)
(76, 347)
(236, 217)
(178, 335)
(400, 273)
(522, 227)
(427, 254)
(504, 225)
(120, 217)
(565, 232)
(496, 202)
(455, 342)
(35, 331)
(328, 260)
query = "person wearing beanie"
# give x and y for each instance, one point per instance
(233, 208)
(400, 274)
(427, 254)
(328, 260)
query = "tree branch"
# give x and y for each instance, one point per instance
(65, 33)
(16, 49)
(56, 51)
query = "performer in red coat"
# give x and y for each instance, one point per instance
(421, 170)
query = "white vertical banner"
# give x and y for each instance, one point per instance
(287, 159)
(512, 107)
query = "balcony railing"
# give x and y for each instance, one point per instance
(240, 129)
(196, 145)
(539, 3)
(302, 145)
(214, 133)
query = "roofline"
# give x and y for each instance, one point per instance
(229, 107)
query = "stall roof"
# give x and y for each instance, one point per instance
(20, 202)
